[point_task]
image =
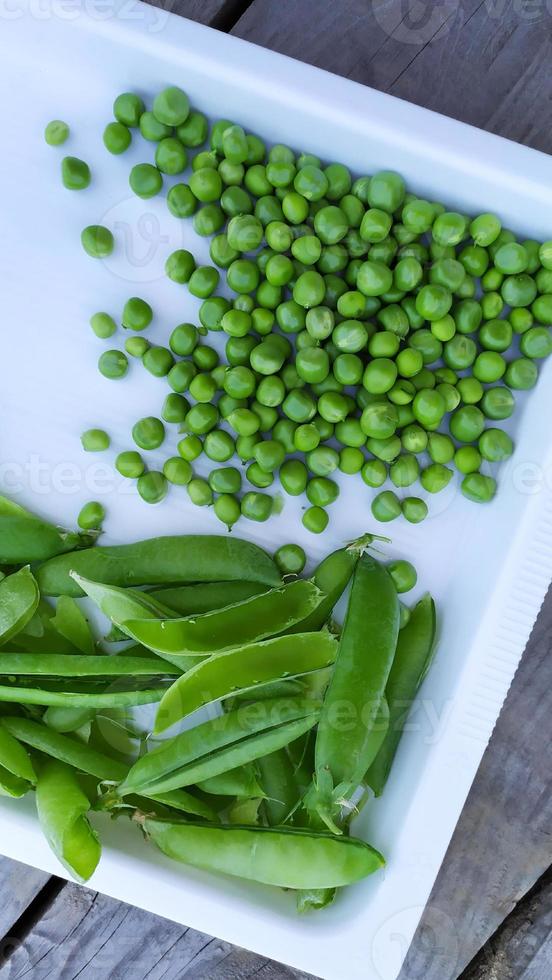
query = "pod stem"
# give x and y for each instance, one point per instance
(361, 544)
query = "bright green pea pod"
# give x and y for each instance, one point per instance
(62, 807)
(242, 782)
(25, 538)
(70, 622)
(284, 858)
(120, 604)
(16, 769)
(346, 740)
(69, 695)
(68, 719)
(191, 600)
(69, 665)
(161, 561)
(19, 598)
(332, 577)
(280, 787)
(242, 669)
(410, 666)
(221, 744)
(245, 622)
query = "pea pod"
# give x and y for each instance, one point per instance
(365, 654)
(75, 696)
(19, 598)
(242, 782)
(243, 668)
(69, 665)
(190, 600)
(83, 757)
(121, 604)
(280, 787)
(70, 622)
(284, 858)
(62, 807)
(225, 629)
(412, 661)
(162, 561)
(68, 719)
(332, 577)
(25, 538)
(221, 744)
(17, 774)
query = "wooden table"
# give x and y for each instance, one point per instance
(487, 63)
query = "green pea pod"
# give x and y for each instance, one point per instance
(19, 598)
(332, 577)
(62, 807)
(221, 744)
(70, 622)
(79, 665)
(68, 719)
(245, 622)
(76, 696)
(25, 538)
(280, 787)
(345, 751)
(284, 858)
(170, 560)
(88, 760)
(412, 661)
(244, 668)
(242, 782)
(44, 639)
(17, 774)
(191, 600)
(245, 812)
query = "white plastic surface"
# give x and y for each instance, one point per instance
(488, 567)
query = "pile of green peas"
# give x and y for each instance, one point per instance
(366, 330)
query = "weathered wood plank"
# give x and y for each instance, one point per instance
(19, 886)
(218, 13)
(503, 841)
(90, 936)
(483, 62)
(522, 948)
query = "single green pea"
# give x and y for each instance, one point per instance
(284, 431)
(350, 336)
(489, 366)
(312, 365)
(351, 460)
(519, 290)
(136, 346)
(404, 471)
(206, 185)
(323, 460)
(380, 375)
(467, 315)
(243, 276)
(333, 406)
(75, 174)
(444, 329)
(91, 516)
(180, 376)
(180, 265)
(219, 445)
(374, 472)
(492, 305)
(299, 406)
(148, 433)
(190, 447)
(350, 433)
(414, 509)
(56, 132)
(200, 492)
(521, 319)
(181, 202)
(536, 342)
(290, 559)
(256, 506)
(95, 440)
(496, 335)
(315, 519)
(311, 182)
(205, 358)
(449, 273)
(152, 486)
(192, 132)
(113, 364)
(435, 477)
(145, 180)
(379, 420)
(440, 447)
(306, 437)
(445, 375)
(485, 229)
(103, 325)
(450, 394)
(184, 339)
(235, 200)
(130, 464)
(321, 491)
(449, 228)
(467, 459)
(171, 106)
(460, 352)
(386, 190)
(309, 290)
(386, 506)
(385, 449)
(495, 445)
(470, 390)
(203, 281)
(348, 369)
(269, 454)
(177, 470)
(498, 403)
(511, 259)
(374, 278)
(175, 408)
(542, 308)
(433, 302)
(403, 573)
(293, 477)
(203, 388)
(151, 129)
(158, 361)
(429, 407)
(475, 260)
(479, 488)
(414, 439)
(201, 419)
(137, 314)
(244, 421)
(225, 479)
(116, 137)
(208, 220)
(402, 392)
(227, 509)
(258, 477)
(384, 343)
(97, 241)
(467, 423)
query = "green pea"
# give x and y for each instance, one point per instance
(379, 420)
(130, 464)
(485, 229)
(205, 358)
(470, 390)
(351, 460)
(519, 290)
(75, 173)
(181, 201)
(498, 403)
(521, 373)
(404, 471)
(91, 516)
(321, 491)
(203, 388)
(323, 460)
(151, 129)
(152, 487)
(440, 447)
(386, 190)
(190, 447)
(467, 316)
(489, 367)
(116, 137)
(145, 180)
(435, 477)
(227, 509)
(244, 421)
(460, 352)
(256, 506)
(414, 439)
(385, 449)
(95, 440)
(136, 346)
(171, 106)
(380, 375)
(374, 278)
(449, 273)
(414, 509)
(467, 423)
(219, 445)
(148, 433)
(467, 459)
(193, 131)
(269, 454)
(521, 319)
(374, 472)
(290, 559)
(429, 407)
(137, 314)
(175, 408)
(177, 471)
(333, 406)
(495, 445)
(511, 259)
(208, 220)
(200, 492)
(113, 364)
(158, 361)
(348, 369)
(103, 325)
(386, 506)
(478, 488)
(258, 477)
(315, 520)
(451, 396)
(536, 342)
(226, 479)
(299, 406)
(449, 228)
(201, 419)
(404, 575)
(180, 265)
(203, 281)
(97, 241)
(184, 339)
(180, 375)
(56, 132)
(433, 302)
(309, 290)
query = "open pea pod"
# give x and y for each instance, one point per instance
(77, 665)
(17, 774)
(70, 622)
(244, 668)
(413, 657)
(62, 807)
(286, 858)
(221, 744)
(25, 538)
(19, 598)
(121, 604)
(332, 577)
(171, 560)
(245, 622)
(191, 600)
(88, 760)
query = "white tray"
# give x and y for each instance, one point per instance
(488, 567)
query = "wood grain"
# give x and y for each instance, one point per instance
(19, 886)
(217, 13)
(482, 61)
